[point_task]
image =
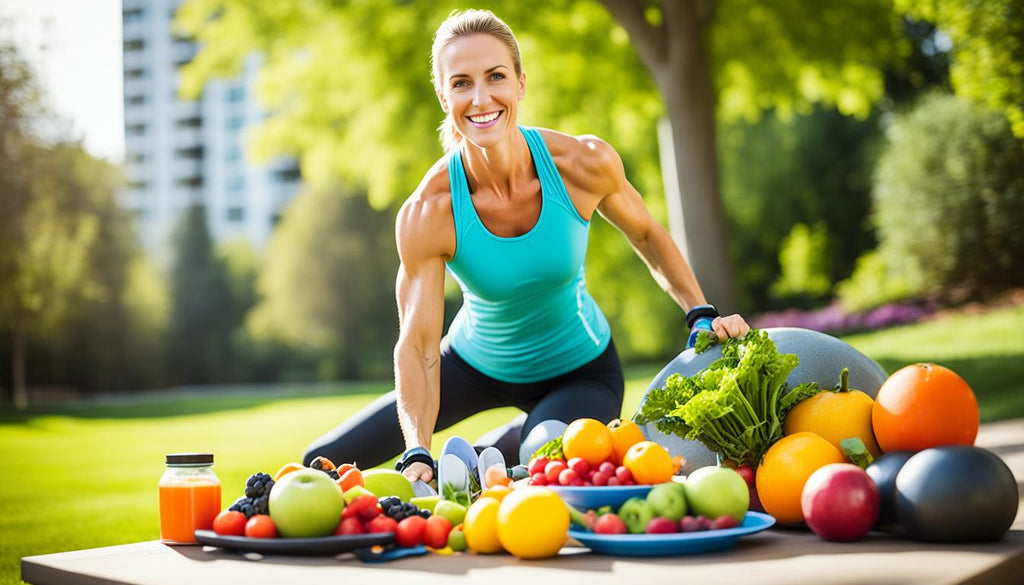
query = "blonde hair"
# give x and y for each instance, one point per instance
(465, 24)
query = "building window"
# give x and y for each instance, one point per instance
(195, 122)
(133, 15)
(235, 122)
(137, 185)
(189, 182)
(194, 153)
(135, 129)
(236, 214)
(234, 153)
(134, 73)
(134, 45)
(289, 175)
(236, 94)
(135, 100)
(136, 157)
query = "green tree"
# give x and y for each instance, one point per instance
(366, 115)
(199, 335)
(988, 50)
(324, 287)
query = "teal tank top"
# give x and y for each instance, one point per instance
(526, 314)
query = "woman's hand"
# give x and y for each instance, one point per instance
(419, 471)
(729, 326)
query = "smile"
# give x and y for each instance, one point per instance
(485, 120)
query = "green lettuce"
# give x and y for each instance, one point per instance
(735, 406)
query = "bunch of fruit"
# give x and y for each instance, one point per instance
(712, 498)
(590, 453)
(913, 458)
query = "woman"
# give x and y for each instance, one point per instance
(507, 211)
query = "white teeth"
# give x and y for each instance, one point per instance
(484, 119)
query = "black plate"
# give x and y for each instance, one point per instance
(309, 547)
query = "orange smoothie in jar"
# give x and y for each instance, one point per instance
(189, 497)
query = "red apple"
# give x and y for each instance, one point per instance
(840, 502)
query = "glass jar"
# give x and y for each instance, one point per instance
(189, 497)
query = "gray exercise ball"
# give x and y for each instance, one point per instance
(539, 435)
(822, 359)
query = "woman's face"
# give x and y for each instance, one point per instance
(479, 88)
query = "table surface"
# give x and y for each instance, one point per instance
(774, 556)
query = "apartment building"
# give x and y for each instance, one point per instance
(182, 153)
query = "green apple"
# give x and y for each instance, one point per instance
(426, 502)
(636, 513)
(453, 511)
(388, 482)
(356, 491)
(306, 503)
(457, 539)
(668, 500)
(717, 491)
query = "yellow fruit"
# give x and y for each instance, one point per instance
(481, 526)
(835, 416)
(649, 463)
(533, 523)
(286, 469)
(587, 438)
(784, 470)
(498, 492)
(625, 434)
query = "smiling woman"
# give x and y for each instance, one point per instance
(507, 212)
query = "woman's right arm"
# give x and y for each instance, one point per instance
(420, 236)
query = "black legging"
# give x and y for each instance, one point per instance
(373, 436)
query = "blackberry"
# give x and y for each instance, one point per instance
(258, 485)
(388, 502)
(237, 506)
(424, 513)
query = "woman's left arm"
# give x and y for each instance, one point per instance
(621, 204)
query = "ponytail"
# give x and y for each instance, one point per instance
(450, 136)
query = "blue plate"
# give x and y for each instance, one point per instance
(682, 543)
(592, 497)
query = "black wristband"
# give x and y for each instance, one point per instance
(700, 311)
(415, 455)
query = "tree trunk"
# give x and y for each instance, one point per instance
(674, 54)
(18, 369)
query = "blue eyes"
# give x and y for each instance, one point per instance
(460, 83)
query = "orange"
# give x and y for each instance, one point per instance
(649, 463)
(784, 470)
(625, 434)
(286, 469)
(533, 523)
(587, 438)
(835, 416)
(922, 406)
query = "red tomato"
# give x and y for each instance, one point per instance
(352, 525)
(381, 523)
(229, 523)
(260, 526)
(410, 531)
(437, 529)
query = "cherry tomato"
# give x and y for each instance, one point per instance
(229, 523)
(436, 534)
(260, 526)
(410, 531)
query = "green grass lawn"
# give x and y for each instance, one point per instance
(87, 477)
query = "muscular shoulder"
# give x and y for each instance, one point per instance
(586, 161)
(425, 226)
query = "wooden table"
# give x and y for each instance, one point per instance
(775, 556)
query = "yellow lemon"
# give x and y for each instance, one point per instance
(533, 523)
(481, 526)
(498, 492)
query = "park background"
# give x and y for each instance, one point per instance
(855, 167)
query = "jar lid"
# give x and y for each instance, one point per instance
(190, 459)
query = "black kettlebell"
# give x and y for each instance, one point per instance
(883, 472)
(956, 493)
